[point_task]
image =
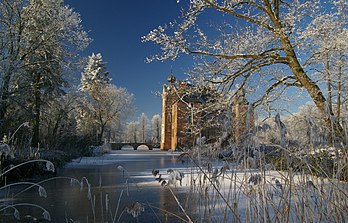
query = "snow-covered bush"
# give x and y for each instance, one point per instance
(100, 150)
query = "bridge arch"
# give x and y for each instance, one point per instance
(124, 147)
(119, 146)
(144, 147)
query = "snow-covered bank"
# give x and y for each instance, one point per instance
(226, 193)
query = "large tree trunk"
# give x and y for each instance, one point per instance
(4, 95)
(100, 136)
(102, 130)
(314, 91)
(36, 111)
(328, 76)
(312, 88)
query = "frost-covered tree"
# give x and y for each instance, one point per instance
(41, 41)
(144, 128)
(255, 46)
(59, 119)
(132, 132)
(53, 32)
(110, 106)
(105, 104)
(11, 38)
(326, 37)
(156, 122)
(306, 127)
(95, 74)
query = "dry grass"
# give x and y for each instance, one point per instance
(243, 194)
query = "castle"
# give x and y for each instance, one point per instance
(179, 118)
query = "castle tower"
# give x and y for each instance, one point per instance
(178, 106)
(240, 114)
(167, 102)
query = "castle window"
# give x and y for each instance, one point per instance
(189, 132)
(189, 118)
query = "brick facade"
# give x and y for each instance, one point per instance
(176, 131)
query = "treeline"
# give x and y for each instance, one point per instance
(144, 130)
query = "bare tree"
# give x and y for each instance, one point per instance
(325, 38)
(109, 105)
(144, 128)
(156, 128)
(132, 132)
(260, 36)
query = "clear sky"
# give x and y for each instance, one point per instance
(116, 27)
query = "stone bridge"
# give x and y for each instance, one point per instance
(118, 146)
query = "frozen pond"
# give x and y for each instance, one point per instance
(215, 191)
(123, 177)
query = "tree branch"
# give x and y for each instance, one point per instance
(247, 18)
(231, 57)
(270, 53)
(276, 8)
(275, 85)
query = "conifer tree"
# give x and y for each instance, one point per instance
(94, 75)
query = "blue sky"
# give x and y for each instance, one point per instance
(116, 28)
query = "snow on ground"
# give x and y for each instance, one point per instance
(259, 196)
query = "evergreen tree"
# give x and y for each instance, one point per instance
(95, 74)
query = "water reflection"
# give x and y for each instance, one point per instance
(69, 202)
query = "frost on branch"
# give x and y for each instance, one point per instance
(135, 209)
(255, 39)
(49, 166)
(173, 45)
(16, 214)
(46, 215)
(42, 192)
(95, 73)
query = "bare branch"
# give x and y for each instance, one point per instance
(238, 15)
(282, 81)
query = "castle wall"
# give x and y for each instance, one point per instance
(166, 129)
(176, 118)
(174, 132)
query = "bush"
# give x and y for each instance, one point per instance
(76, 145)
(322, 162)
